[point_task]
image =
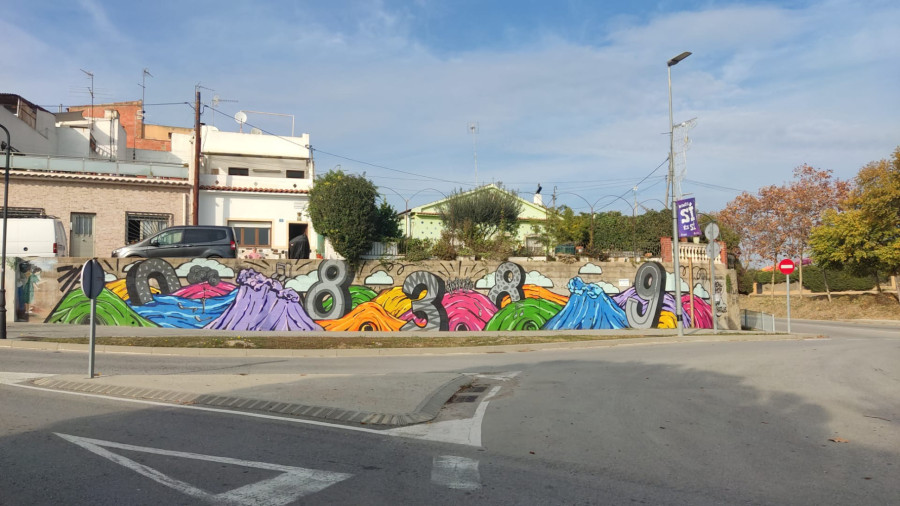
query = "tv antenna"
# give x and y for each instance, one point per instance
(91, 91)
(473, 129)
(682, 141)
(215, 104)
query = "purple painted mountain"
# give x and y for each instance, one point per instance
(668, 303)
(588, 308)
(262, 303)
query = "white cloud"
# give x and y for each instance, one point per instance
(223, 270)
(538, 279)
(109, 277)
(486, 282)
(590, 268)
(762, 81)
(379, 278)
(607, 288)
(670, 284)
(301, 283)
(701, 292)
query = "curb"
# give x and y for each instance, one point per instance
(391, 352)
(426, 411)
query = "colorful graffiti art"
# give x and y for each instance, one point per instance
(206, 294)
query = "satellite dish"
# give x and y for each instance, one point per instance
(240, 117)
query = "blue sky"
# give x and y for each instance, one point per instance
(568, 94)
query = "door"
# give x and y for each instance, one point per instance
(82, 243)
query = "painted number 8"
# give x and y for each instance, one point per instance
(334, 282)
(650, 285)
(508, 279)
(430, 307)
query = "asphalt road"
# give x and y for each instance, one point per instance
(781, 422)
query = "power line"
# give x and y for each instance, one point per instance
(342, 157)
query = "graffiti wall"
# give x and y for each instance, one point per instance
(303, 295)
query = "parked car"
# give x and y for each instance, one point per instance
(184, 241)
(35, 237)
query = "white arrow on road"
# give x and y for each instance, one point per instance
(292, 484)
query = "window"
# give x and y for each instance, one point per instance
(296, 174)
(534, 245)
(252, 233)
(202, 235)
(238, 171)
(139, 226)
(170, 238)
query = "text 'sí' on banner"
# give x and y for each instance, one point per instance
(687, 218)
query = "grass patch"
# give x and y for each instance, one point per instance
(327, 342)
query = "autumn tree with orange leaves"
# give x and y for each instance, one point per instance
(778, 220)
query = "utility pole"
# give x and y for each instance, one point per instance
(196, 187)
(473, 129)
(139, 115)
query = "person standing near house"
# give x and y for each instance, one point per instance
(299, 247)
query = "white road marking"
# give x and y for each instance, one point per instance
(10, 378)
(459, 473)
(466, 431)
(501, 376)
(292, 484)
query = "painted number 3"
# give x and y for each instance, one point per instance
(430, 307)
(650, 285)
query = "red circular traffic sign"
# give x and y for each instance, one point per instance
(786, 266)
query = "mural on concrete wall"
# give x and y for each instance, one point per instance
(303, 296)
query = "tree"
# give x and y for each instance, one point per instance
(778, 220)
(865, 234)
(761, 221)
(387, 228)
(564, 226)
(342, 207)
(810, 194)
(474, 217)
(649, 228)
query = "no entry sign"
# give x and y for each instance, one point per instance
(786, 266)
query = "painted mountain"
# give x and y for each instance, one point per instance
(75, 308)
(702, 309)
(262, 303)
(588, 308)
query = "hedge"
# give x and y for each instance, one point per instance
(838, 281)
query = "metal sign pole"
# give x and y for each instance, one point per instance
(712, 295)
(92, 282)
(93, 336)
(788, 276)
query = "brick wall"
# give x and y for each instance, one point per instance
(108, 201)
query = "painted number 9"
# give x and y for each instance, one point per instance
(430, 307)
(650, 285)
(334, 282)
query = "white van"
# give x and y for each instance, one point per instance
(35, 237)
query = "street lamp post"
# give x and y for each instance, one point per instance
(5, 218)
(678, 310)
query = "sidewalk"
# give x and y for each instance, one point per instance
(383, 400)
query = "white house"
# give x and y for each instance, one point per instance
(259, 184)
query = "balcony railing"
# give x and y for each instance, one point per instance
(51, 163)
(695, 253)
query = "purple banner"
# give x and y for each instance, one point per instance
(687, 218)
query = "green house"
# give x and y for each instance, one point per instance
(424, 222)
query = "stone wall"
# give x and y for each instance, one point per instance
(244, 294)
